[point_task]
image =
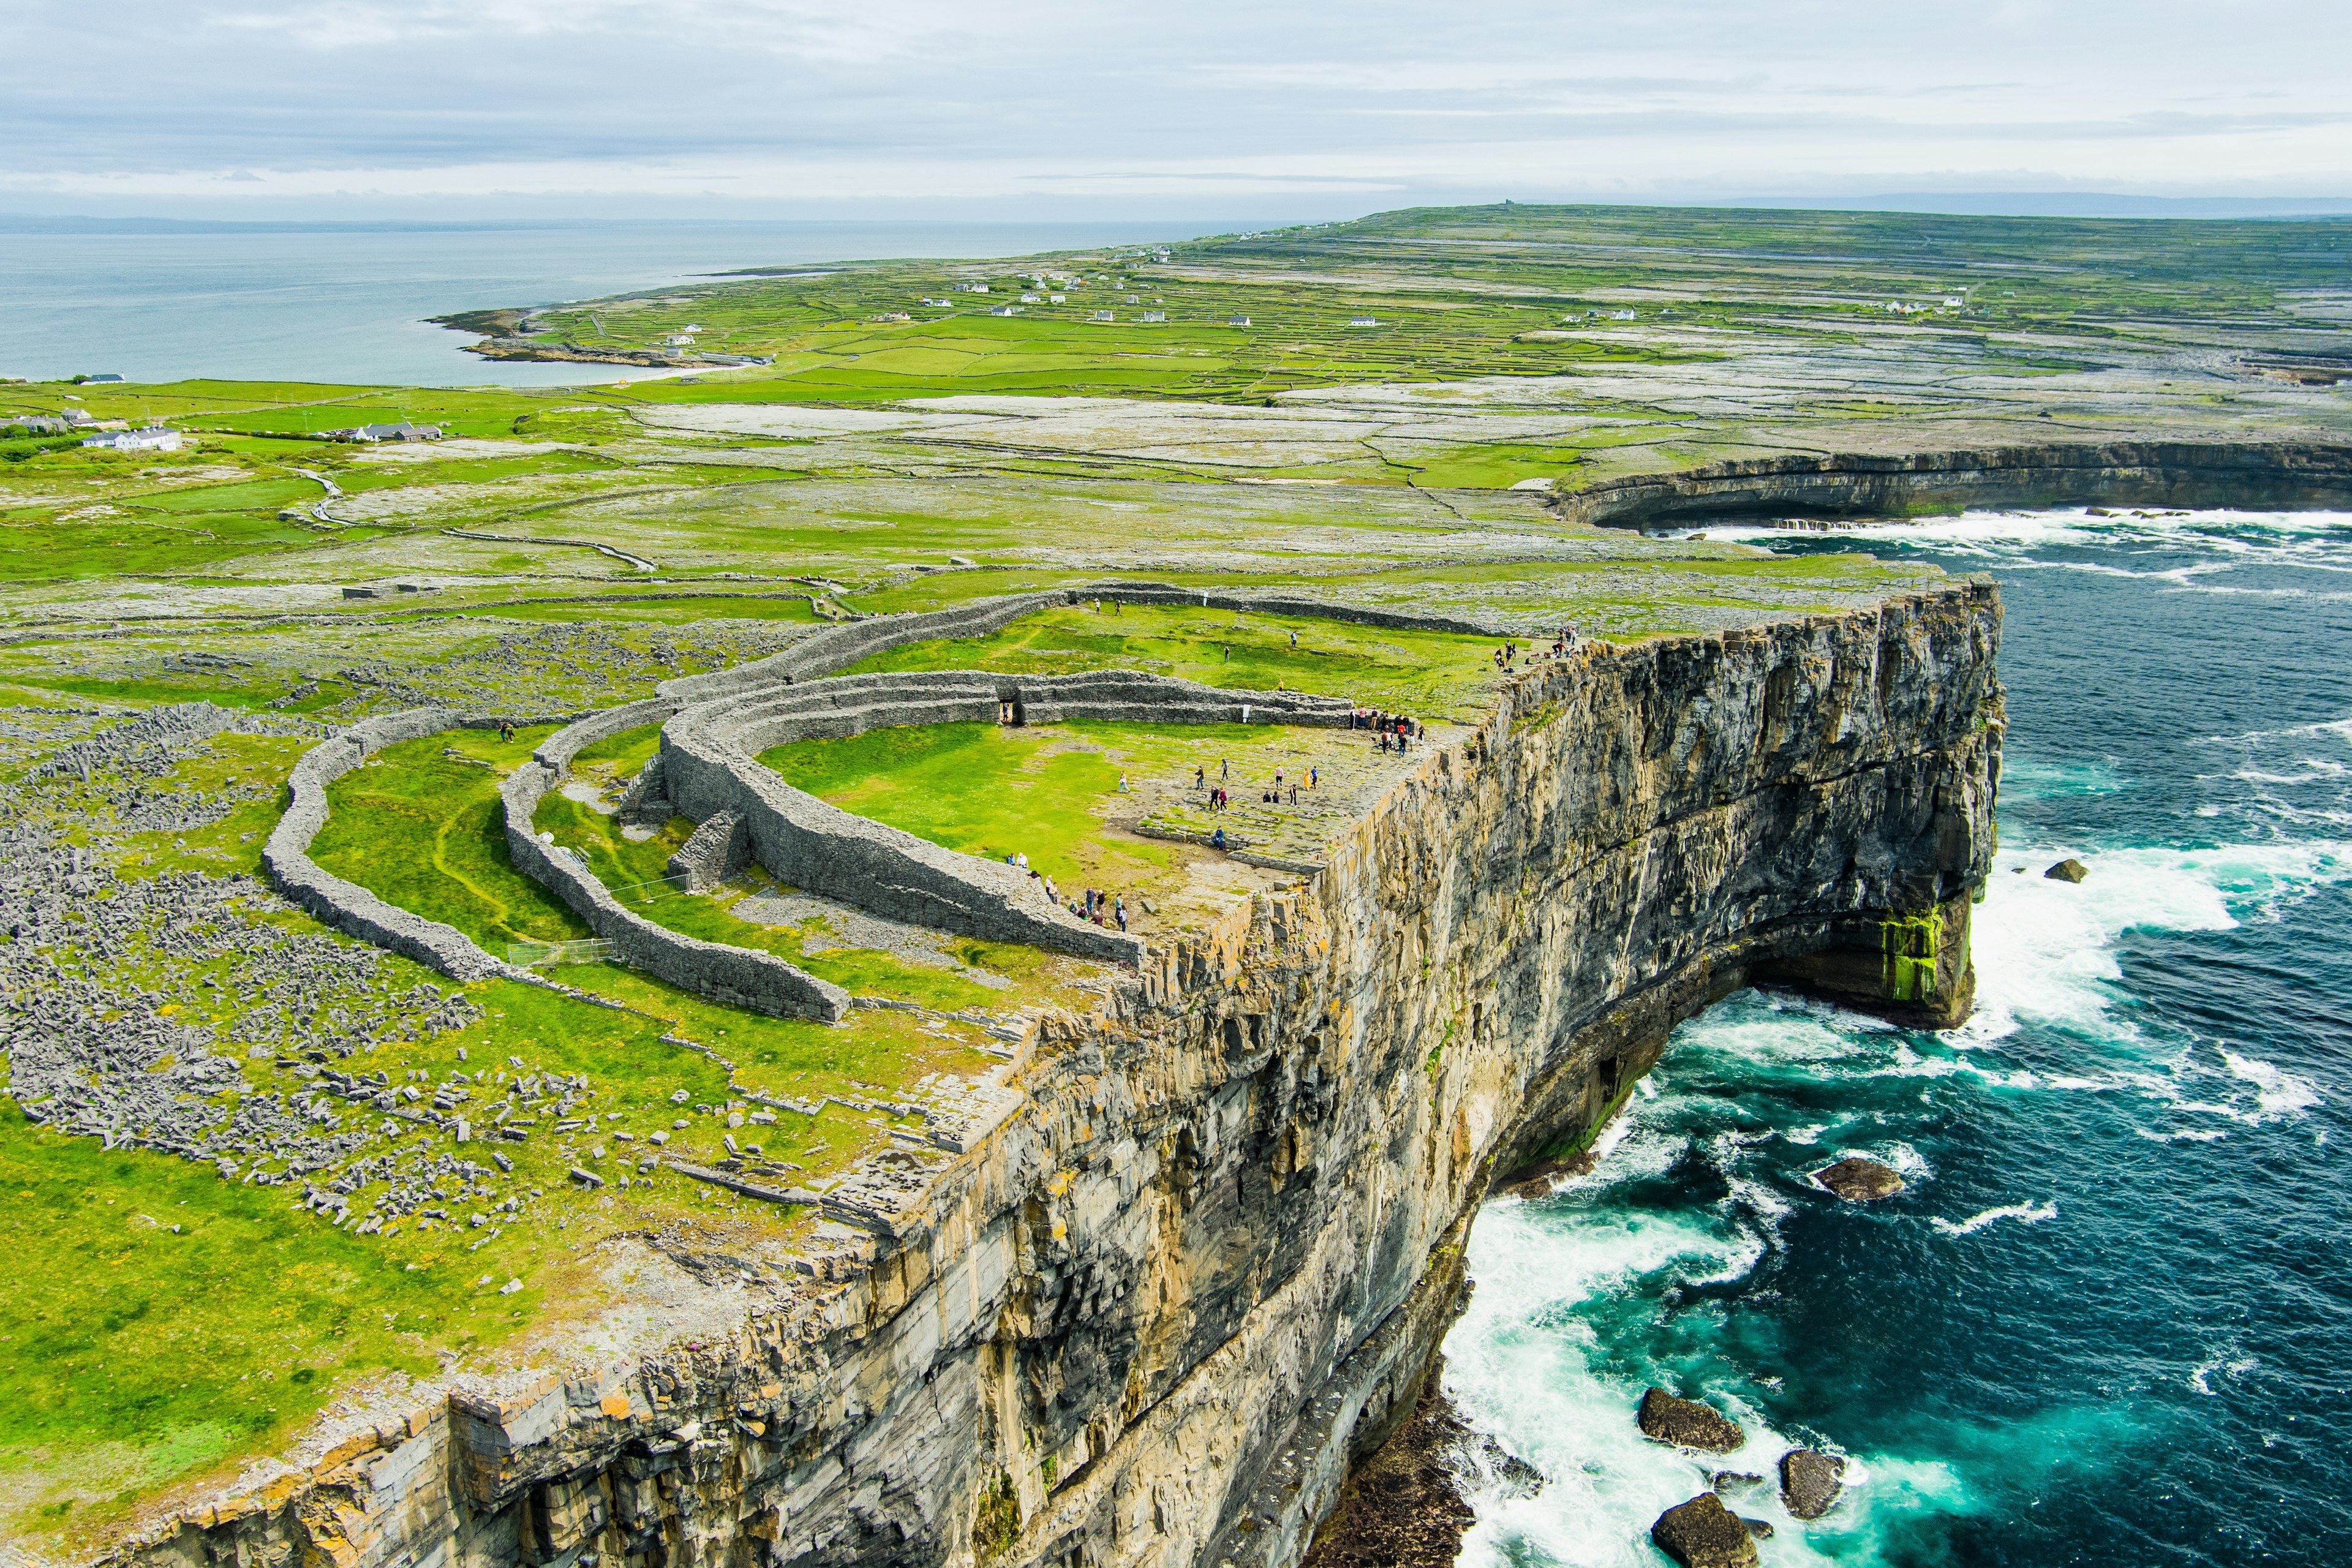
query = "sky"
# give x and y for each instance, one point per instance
(778, 108)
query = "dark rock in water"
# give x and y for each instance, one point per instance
(1761, 1529)
(1858, 1181)
(1687, 1423)
(1811, 1481)
(1515, 1476)
(1703, 1533)
(1734, 1481)
(2067, 870)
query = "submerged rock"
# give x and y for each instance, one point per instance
(1761, 1529)
(1725, 1481)
(2067, 870)
(1687, 1423)
(1811, 1481)
(1703, 1533)
(1858, 1181)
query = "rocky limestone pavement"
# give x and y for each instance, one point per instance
(1687, 1423)
(1703, 1533)
(1199, 1266)
(1811, 1481)
(1859, 1181)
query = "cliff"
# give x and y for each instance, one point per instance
(2243, 474)
(1150, 1317)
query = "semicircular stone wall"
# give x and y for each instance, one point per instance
(715, 726)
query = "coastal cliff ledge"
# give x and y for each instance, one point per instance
(1152, 1318)
(2286, 475)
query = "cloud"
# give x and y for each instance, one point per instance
(919, 99)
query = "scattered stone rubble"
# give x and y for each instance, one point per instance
(94, 1051)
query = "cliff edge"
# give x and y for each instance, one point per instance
(1151, 1316)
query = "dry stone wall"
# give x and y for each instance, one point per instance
(1148, 1317)
(735, 977)
(347, 906)
(710, 767)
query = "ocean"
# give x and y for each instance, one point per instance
(347, 302)
(2110, 1319)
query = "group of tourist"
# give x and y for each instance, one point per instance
(1389, 730)
(1100, 909)
(1508, 655)
(1218, 799)
(1096, 907)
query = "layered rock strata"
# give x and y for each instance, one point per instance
(2282, 474)
(1150, 1317)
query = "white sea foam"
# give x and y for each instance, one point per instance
(2277, 1093)
(1526, 1369)
(2045, 950)
(2023, 1214)
(2235, 1366)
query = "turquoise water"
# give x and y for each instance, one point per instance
(2110, 1320)
(348, 302)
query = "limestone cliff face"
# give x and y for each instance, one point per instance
(1148, 1317)
(2286, 474)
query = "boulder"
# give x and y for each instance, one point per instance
(1761, 1529)
(1811, 1481)
(1858, 1181)
(2067, 870)
(1687, 1423)
(1703, 1533)
(1728, 1481)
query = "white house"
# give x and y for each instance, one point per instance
(1237, 321)
(1362, 321)
(1150, 316)
(1058, 298)
(155, 439)
(1102, 316)
(403, 431)
(1028, 299)
(1005, 311)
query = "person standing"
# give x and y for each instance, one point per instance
(1119, 908)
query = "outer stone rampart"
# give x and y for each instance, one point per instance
(347, 906)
